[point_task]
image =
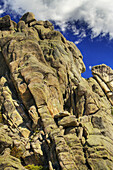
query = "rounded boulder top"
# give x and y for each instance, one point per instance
(28, 17)
(5, 22)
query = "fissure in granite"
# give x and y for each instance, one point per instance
(50, 116)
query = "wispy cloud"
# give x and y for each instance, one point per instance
(78, 41)
(97, 14)
(75, 30)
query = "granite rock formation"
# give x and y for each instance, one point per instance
(49, 115)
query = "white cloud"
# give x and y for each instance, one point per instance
(98, 14)
(75, 30)
(78, 41)
(90, 67)
(83, 34)
(1, 11)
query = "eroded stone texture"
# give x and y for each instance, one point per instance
(104, 76)
(9, 162)
(55, 118)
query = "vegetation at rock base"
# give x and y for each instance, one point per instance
(1, 119)
(34, 167)
(112, 110)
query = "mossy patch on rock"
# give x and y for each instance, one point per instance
(34, 167)
(112, 110)
(1, 118)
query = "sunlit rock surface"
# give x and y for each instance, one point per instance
(49, 115)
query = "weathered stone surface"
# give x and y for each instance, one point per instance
(3, 66)
(5, 140)
(62, 114)
(68, 121)
(5, 22)
(104, 72)
(10, 112)
(38, 151)
(55, 118)
(28, 17)
(34, 115)
(104, 76)
(21, 27)
(87, 101)
(9, 162)
(24, 132)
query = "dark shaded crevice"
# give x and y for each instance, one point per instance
(3, 66)
(67, 104)
(69, 97)
(11, 86)
(94, 112)
(84, 105)
(56, 121)
(50, 154)
(30, 22)
(66, 100)
(68, 77)
(62, 39)
(22, 161)
(85, 156)
(64, 95)
(7, 42)
(2, 120)
(74, 102)
(85, 149)
(39, 33)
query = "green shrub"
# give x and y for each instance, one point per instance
(34, 167)
(112, 110)
(1, 119)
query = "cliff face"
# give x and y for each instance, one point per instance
(49, 114)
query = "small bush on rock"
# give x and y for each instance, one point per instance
(112, 110)
(1, 119)
(34, 167)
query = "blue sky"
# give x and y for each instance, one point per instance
(89, 24)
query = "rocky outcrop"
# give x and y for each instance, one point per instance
(9, 162)
(104, 75)
(49, 114)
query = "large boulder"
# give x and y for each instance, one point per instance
(5, 22)
(28, 17)
(68, 121)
